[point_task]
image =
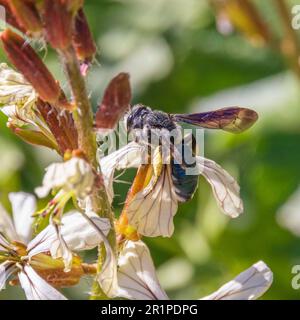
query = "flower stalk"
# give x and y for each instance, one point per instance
(83, 118)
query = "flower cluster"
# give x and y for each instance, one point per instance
(39, 248)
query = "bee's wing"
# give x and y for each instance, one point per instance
(232, 119)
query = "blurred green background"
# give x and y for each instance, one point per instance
(178, 62)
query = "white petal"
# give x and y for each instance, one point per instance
(136, 274)
(23, 207)
(37, 288)
(17, 96)
(60, 249)
(74, 175)
(129, 156)
(76, 231)
(107, 278)
(6, 270)
(226, 190)
(151, 213)
(42, 242)
(4, 244)
(79, 234)
(248, 285)
(6, 225)
(288, 215)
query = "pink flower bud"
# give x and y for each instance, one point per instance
(115, 102)
(26, 15)
(58, 23)
(31, 66)
(9, 16)
(83, 41)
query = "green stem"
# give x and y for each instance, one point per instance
(83, 117)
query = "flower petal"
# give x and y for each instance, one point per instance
(136, 274)
(6, 270)
(4, 244)
(75, 175)
(130, 156)
(60, 249)
(23, 207)
(248, 285)
(76, 231)
(7, 226)
(107, 278)
(226, 190)
(151, 213)
(17, 97)
(37, 288)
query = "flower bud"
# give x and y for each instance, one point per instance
(26, 15)
(61, 125)
(115, 102)
(83, 41)
(9, 16)
(31, 66)
(33, 137)
(58, 21)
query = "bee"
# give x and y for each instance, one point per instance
(144, 122)
(160, 186)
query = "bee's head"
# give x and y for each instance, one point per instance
(135, 118)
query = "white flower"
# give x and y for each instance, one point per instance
(19, 229)
(152, 208)
(17, 96)
(74, 176)
(77, 232)
(136, 278)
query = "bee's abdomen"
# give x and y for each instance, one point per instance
(185, 185)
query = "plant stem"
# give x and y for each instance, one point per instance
(83, 117)
(82, 114)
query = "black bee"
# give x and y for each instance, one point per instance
(160, 186)
(143, 122)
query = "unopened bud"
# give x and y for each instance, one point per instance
(115, 102)
(33, 137)
(61, 125)
(31, 66)
(58, 21)
(83, 41)
(27, 16)
(9, 17)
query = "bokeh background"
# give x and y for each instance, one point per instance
(179, 62)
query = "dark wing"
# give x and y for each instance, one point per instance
(232, 119)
